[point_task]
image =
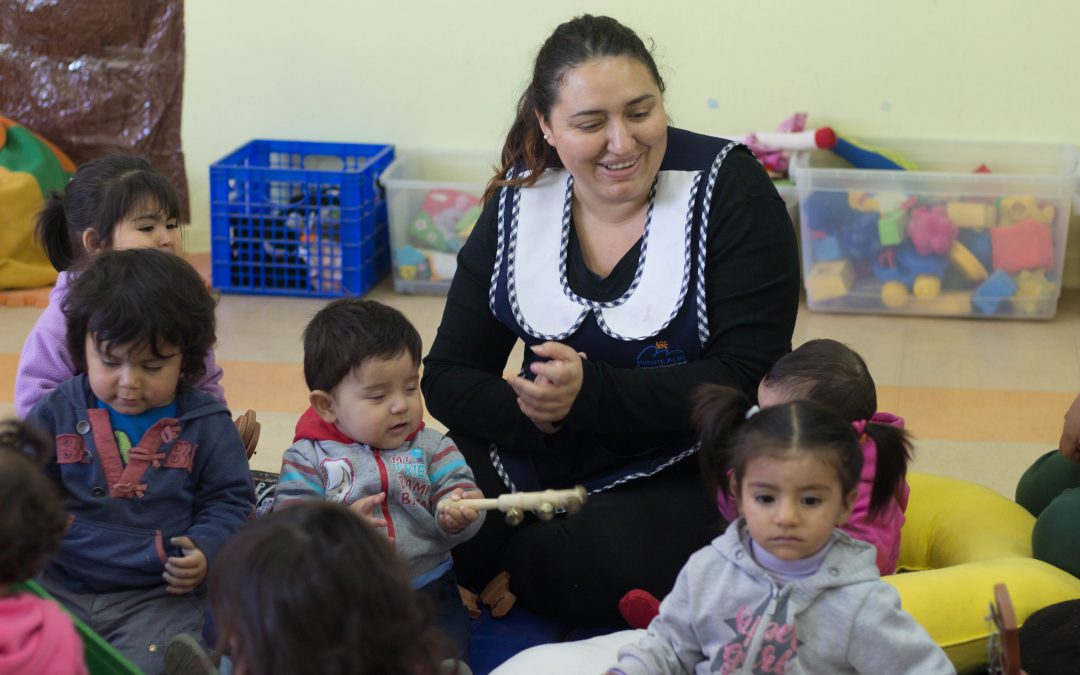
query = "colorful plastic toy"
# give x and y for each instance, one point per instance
(1018, 209)
(966, 261)
(978, 242)
(894, 294)
(859, 237)
(824, 246)
(979, 215)
(1033, 292)
(910, 261)
(831, 279)
(412, 265)
(926, 287)
(892, 226)
(931, 230)
(826, 211)
(864, 156)
(1026, 245)
(991, 295)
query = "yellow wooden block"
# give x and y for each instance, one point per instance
(831, 279)
(978, 215)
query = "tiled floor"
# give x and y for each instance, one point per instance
(983, 398)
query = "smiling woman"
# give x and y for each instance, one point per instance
(635, 261)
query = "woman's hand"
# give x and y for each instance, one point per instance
(548, 398)
(1069, 445)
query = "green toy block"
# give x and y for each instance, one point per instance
(891, 227)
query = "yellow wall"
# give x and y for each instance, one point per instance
(423, 74)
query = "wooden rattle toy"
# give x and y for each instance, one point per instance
(514, 504)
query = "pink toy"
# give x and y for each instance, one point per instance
(773, 148)
(438, 201)
(931, 230)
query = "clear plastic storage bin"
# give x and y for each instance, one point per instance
(433, 201)
(975, 230)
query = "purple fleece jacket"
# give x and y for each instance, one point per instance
(45, 361)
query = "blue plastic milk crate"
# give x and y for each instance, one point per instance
(299, 218)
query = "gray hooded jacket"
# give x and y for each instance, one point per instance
(727, 615)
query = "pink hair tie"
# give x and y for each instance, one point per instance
(860, 426)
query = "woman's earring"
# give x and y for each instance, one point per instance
(546, 138)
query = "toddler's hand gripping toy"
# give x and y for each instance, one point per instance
(514, 504)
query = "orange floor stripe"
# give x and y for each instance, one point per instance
(1001, 415)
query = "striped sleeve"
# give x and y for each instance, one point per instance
(448, 471)
(300, 476)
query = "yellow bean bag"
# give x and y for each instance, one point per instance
(959, 540)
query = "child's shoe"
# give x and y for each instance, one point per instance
(639, 608)
(497, 595)
(185, 656)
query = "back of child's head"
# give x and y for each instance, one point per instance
(100, 194)
(314, 589)
(730, 440)
(828, 373)
(32, 518)
(141, 297)
(346, 332)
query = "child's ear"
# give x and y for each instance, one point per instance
(849, 506)
(90, 240)
(323, 404)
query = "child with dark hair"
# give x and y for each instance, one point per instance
(363, 443)
(149, 517)
(782, 590)
(37, 637)
(115, 202)
(314, 589)
(833, 375)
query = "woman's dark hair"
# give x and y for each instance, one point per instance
(573, 43)
(314, 589)
(833, 375)
(346, 332)
(729, 440)
(141, 297)
(101, 194)
(32, 518)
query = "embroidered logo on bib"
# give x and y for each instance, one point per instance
(660, 355)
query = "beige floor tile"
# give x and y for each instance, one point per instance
(879, 340)
(995, 465)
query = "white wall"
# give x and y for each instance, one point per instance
(423, 74)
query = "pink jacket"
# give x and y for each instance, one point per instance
(45, 361)
(884, 530)
(37, 637)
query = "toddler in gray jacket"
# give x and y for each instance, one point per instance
(782, 590)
